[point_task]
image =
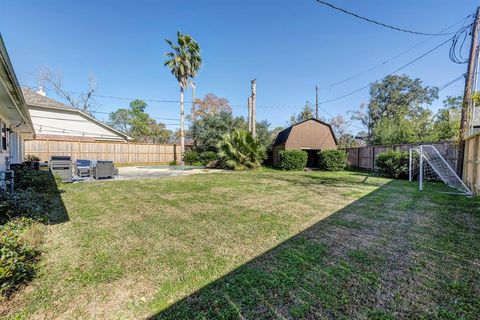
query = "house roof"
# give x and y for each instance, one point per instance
(35, 100)
(283, 135)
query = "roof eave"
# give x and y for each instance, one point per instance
(15, 91)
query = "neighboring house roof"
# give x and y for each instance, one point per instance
(11, 95)
(35, 99)
(283, 135)
(51, 117)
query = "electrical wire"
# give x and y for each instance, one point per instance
(462, 76)
(397, 55)
(456, 52)
(389, 74)
(378, 22)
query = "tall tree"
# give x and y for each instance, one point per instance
(208, 130)
(184, 62)
(306, 113)
(83, 101)
(138, 124)
(446, 124)
(398, 110)
(340, 128)
(210, 104)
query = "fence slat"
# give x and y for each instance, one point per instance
(364, 157)
(471, 170)
(119, 152)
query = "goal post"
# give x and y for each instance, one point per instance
(426, 163)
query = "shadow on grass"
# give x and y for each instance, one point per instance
(357, 263)
(45, 190)
(320, 272)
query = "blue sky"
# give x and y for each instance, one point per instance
(289, 46)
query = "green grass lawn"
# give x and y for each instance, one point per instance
(258, 245)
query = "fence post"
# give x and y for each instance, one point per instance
(410, 165)
(420, 177)
(474, 164)
(358, 157)
(373, 159)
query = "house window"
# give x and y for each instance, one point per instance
(4, 136)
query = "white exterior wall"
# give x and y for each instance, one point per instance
(5, 156)
(68, 123)
(17, 149)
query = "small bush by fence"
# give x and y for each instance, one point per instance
(364, 157)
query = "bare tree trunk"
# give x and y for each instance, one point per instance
(182, 130)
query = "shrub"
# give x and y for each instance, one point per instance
(172, 163)
(24, 203)
(191, 158)
(36, 180)
(292, 160)
(393, 164)
(17, 258)
(332, 160)
(239, 150)
(195, 158)
(31, 158)
(208, 157)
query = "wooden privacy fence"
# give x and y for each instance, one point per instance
(119, 152)
(364, 157)
(471, 170)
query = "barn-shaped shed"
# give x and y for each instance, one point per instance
(311, 135)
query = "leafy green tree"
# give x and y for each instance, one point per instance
(399, 96)
(120, 120)
(138, 124)
(393, 131)
(398, 110)
(447, 120)
(184, 62)
(306, 113)
(239, 150)
(208, 130)
(139, 121)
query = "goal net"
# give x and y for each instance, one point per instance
(426, 163)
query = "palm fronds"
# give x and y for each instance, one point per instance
(184, 61)
(239, 150)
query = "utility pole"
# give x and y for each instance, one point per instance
(250, 114)
(467, 95)
(316, 102)
(254, 111)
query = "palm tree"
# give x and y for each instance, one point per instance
(184, 61)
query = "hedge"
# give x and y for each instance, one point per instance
(292, 160)
(393, 164)
(332, 160)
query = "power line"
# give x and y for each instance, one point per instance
(378, 22)
(397, 55)
(157, 118)
(452, 82)
(113, 97)
(391, 73)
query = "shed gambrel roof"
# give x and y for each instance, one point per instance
(37, 101)
(283, 135)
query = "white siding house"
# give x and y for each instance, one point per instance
(55, 120)
(15, 122)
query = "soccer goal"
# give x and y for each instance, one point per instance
(426, 163)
